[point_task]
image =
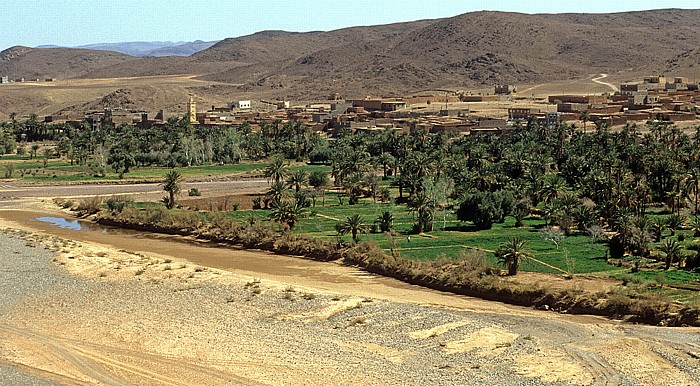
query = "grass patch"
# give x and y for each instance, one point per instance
(449, 238)
(61, 171)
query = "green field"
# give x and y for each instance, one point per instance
(59, 170)
(448, 237)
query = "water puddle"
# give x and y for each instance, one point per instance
(75, 225)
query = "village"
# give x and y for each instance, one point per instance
(656, 98)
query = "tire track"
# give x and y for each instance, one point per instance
(84, 365)
(602, 372)
(92, 361)
(220, 377)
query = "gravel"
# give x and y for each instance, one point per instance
(10, 376)
(24, 272)
(258, 325)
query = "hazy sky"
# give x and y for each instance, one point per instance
(79, 22)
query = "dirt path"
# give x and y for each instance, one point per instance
(599, 80)
(12, 192)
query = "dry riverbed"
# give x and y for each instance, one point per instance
(82, 311)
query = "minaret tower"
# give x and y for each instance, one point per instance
(192, 109)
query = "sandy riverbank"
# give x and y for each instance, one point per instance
(135, 315)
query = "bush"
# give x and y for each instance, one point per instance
(117, 204)
(194, 192)
(9, 170)
(88, 206)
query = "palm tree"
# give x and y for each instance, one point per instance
(354, 184)
(172, 185)
(674, 222)
(584, 217)
(672, 249)
(692, 186)
(276, 191)
(287, 212)
(385, 221)
(641, 235)
(554, 187)
(424, 206)
(584, 117)
(657, 226)
(695, 224)
(519, 214)
(511, 254)
(353, 224)
(297, 179)
(276, 170)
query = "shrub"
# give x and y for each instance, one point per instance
(472, 264)
(88, 206)
(194, 192)
(117, 204)
(9, 170)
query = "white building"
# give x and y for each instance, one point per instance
(240, 105)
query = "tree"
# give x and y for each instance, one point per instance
(554, 187)
(172, 184)
(511, 254)
(692, 186)
(354, 186)
(584, 117)
(424, 206)
(287, 212)
(320, 181)
(33, 150)
(672, 251)
(385, 221)
(276, 192)
(276, 170)
(297, 179)
(371, 182)
(674, 222)
(353, 224)
(486, 208)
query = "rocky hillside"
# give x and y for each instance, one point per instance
(469, 50)
(62, 63)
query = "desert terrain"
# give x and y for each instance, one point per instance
(106, 306)
(462, 53)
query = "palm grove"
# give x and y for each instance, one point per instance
(635, 190)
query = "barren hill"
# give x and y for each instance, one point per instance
(485, 48)
(25, 62)
(467, 51)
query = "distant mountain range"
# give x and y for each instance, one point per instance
(143, 49)
(461, 52)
